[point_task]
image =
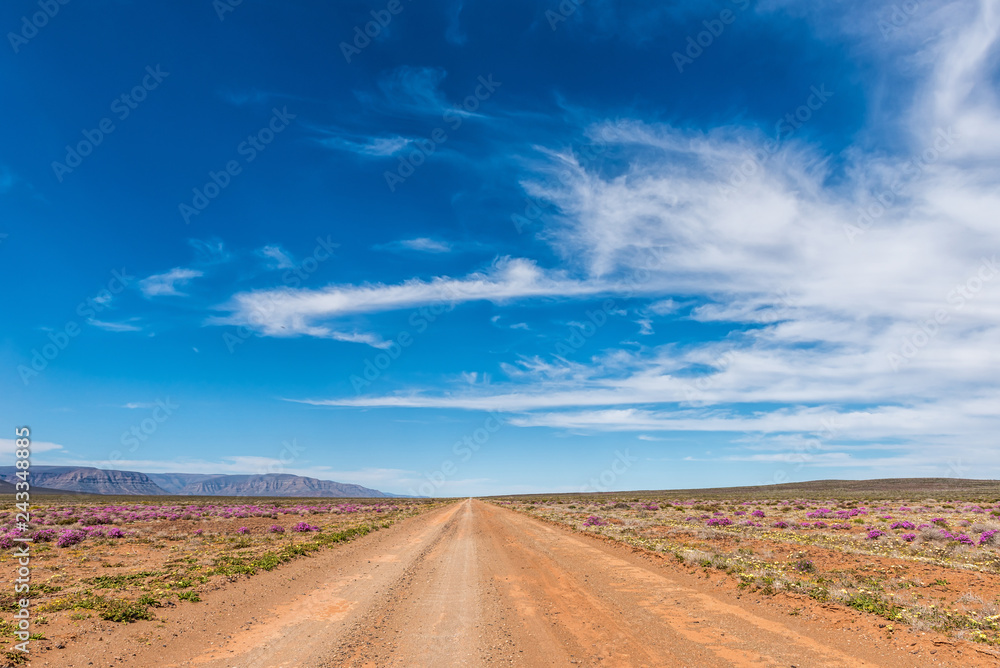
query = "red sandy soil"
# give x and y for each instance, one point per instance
(885, 569)
(472, 584)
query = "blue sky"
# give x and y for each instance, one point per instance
(503, 247)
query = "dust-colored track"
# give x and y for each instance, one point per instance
(473, 584)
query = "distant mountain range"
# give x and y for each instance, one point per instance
(88, 480)
(268, 484)
(8, 488)
(85, 479)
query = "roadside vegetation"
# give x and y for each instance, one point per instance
(121, 562)
(927, 563)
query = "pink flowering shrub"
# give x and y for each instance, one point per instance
(277, 528)
(594, 521)
(304, 526)
(71, 537)
(44, 535)
(719, 522)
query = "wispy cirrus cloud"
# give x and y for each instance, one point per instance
(166, 284)
(304, 312)
(127, 326)
(372, 147)
(9, 445)
(413, 90)
(838, 301)
(418, 245)
(277, 257)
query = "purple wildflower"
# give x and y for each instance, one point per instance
(71, 537)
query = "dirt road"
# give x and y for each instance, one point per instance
(472, 584)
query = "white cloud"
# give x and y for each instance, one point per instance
(278, 258)
(419, 244)
(372, 340)
(159, 285)
(663, 306)
(287, 312)
(415, 90)
(9, 445)
(454, 33)
(115, 326)
(889, 326)
(372, 147)
(209, 251)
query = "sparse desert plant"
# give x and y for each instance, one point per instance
(719, 522)
(805, 566)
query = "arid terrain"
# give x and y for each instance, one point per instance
(532, 582)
